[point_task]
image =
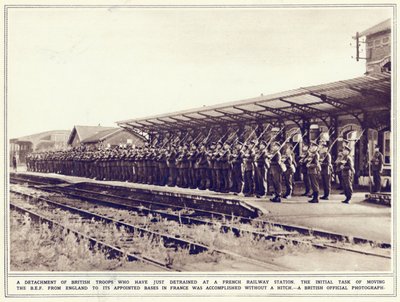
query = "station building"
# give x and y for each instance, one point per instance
(355, 110)
(80, 133)
(43, 141)
(99, 136)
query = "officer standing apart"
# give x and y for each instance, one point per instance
(377, 169)
(14, 162)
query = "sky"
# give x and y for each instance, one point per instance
(81, 66)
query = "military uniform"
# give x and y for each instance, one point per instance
(129, 165)
(28, 162)
(260, 171)
(338, 171)
(235, 160)
(183, 164)
(201, 166)
(248, 161)
(304, 171)
(313, 171)
(144, 166)
(99, 165)
(192, 157)
(152, 167)
(326, 174)
(210, 169)
(171, 163)
(376, 170)
(217, 168)
(140, 166)
(347, 168)
(108, 165)
(276, 175)
(162, 177)
(134, 165)
(288, 174)
(223, 160)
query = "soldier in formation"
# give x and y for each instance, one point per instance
(326, 171)
(250, 167)
(376, 170)
(304, 170)
(313, 170)
(346, 166)
(290, 167)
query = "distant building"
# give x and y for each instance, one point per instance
(377, 46)
(96, 136)
(114, 137)
(80, 133)
(49, 140)
(378, 62)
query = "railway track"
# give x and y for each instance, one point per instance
(70, 189)
(289, 233)
(113, 251)
(168, 241)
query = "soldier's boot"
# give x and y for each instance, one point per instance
(277, 198)
(314, 198)
(288, 195)
(347, 200)
(325, 196)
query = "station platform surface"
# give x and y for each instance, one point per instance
(357, 219)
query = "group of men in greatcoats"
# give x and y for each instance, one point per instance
(255, 168)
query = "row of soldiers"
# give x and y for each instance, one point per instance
(255, 168)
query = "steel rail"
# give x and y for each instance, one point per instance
(14, 179)
(51, 187)
(238, 231)
(113, 251)
(187, 219)
(193, 247)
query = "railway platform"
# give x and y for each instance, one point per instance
(360, 218)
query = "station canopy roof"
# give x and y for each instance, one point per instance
(370, 93)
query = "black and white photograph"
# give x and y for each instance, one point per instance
(186, 139)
